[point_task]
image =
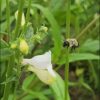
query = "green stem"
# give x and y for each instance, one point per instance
(93, 73)
(98, 68)
(18, 74)
(9, 68)
(76, 25)
(68, 19)
(67, 51)
(18, 23)
(87, 27)
(8, 74)
(8, 17)
(0, 10)
(66, 74)
(27, 17)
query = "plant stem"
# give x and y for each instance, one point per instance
(27, 17)
(18, 74)
(9, 68)
(7, 90)
(94, 74)
(67, 51)
(87, 27)
(18, 23)
(8, 17)
(68, 19)
(0, 11)
(76, 25)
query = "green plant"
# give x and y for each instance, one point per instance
(28, 28)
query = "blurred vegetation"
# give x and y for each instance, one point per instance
(84, 70)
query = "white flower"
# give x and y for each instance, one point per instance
(42, 67)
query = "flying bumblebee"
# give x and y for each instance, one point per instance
(72, 43)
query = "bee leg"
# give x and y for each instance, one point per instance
(73, 48)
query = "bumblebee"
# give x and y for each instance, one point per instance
(72, 43)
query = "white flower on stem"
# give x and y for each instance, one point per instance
(42, 67)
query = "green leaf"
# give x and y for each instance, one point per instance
(58, 88)
(10, 79)
(82, 56)
(27, 81)
(85, 85)
(78, 57)
(3, 44)
(55, 29)
(27, 97)
(35, 94)
(90, 46)
(5, 53)
(57, 7)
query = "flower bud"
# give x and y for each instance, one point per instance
(22, 19)
(79, 71)
(43, 29)
(24, 48)
(13, 45)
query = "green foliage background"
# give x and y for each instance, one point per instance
(84, 19)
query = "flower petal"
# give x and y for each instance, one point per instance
(40, 61)
(43, 75)
(26, 61)
(51, 71)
